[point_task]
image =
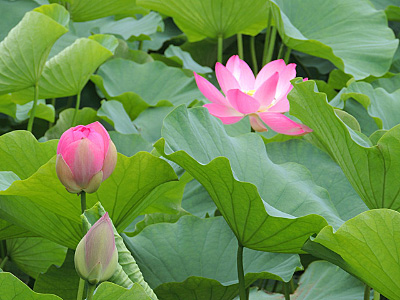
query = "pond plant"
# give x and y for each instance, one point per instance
(199, 149)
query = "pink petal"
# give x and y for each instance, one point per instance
(97, 127)
(285, 76)
(225, 78)
(265, 94)
(282, 124)
(281, 106)
(268, 70)
(85, 159)
(230, 120)
(219, 111)
(242, 72)
(242, 102)
(257, 124)
(208, 90)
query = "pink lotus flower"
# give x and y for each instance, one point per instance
(86, 156)
(262, 98)
(96, 256)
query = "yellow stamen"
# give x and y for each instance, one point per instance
(250, 92)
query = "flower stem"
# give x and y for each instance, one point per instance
(240, 45)
(3, 262)
(286, 290)
(281, 51)
(83, 201)
(367, 292)
(91, 288)
(78, 103)
(287, 55)
(220, 46)
(267, 36)
(271, 45)
(242, 287)
(81, 288)
(33, 110)
(377, 295)
(53, 102)
(253, 54)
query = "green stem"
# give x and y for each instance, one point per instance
(53, 103)
(220, 45)
(91, 288)
(78, 103)
(286, 290)
(240, 45)
(83, 201)
(3, 262)
(275, 286)
(271, 45)
(140, 46)
(81, 288)
(377, 295)
(253, 54)
(291, 286)
(33, 111)
(242, 287)
(287, 55)
(367, 292)
(280, 51)
(267, 36)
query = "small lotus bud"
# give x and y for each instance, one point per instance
(96, 256)
(86, 156)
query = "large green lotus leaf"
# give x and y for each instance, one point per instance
(25, 49)
(139, 86)
(95, 9)
(9, 231)
(34, 255)
(108, 290)
(357, 110)
(67, 73)
(7, 106)
(197, 201)
(325, 171)
(85, 116)
(269, 207)
(22, 154)
(124, 196)
(373, 171)
(171, 31)
(130, 27)
(381, 105)
(391, 8)
(14, 289)
(370, 245)
(340, 31)
(196, 259)
(43, 111)
(113, 112)
(61, 281)
(186, 59)
(321, 280)
(212, 18)
(130, 144)
(389, 84)
(15, 11)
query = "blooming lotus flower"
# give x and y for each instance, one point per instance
(262, 98)
(86, 156)
(96, 256)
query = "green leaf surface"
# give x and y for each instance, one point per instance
(61, 281)
(391, 8)
(25, 49)
(9, 231)
(196, 259)
(130, 144)
(113, 111)
(269, 207)
(14, 289)
(7, 106)
(85, 116)
(351, 34)
(369, 244)
(197, 201)
(43, 111)
(34, 255)
(326, 173)
(139, 86)
(108, 290)
(67, 73)
(321, 280)
(389, 84)
(186, 59)
(213, 18)
(380, 104)
(372, 170)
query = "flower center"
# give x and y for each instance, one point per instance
(250, 92)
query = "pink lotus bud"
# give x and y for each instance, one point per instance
(86, 156)
(96, 256)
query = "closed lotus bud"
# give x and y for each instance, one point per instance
(86, 156)
(96, 256)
